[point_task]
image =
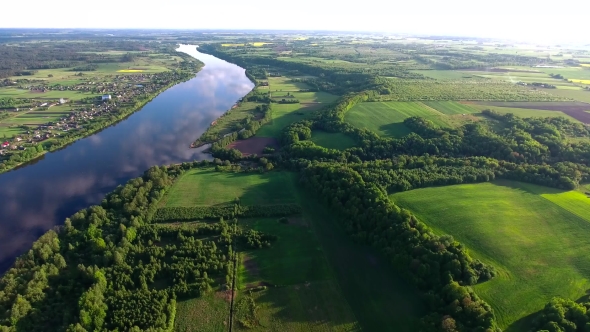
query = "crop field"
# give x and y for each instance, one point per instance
(207, 187)
(450, 107)
(332, 140)
(385, 118)
(536, 237)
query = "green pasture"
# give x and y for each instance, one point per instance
(450, 107)
(9, 132)
(285, 114)
(22, 93)
(328, 140)
(277, 84)
(233, 119)
(379, 298)
(316, 306)
(536, 237)
(579, 73)
(305, 97)
(579, 94)
(208, 313)
(200, 187)
(523, 112)
(386, 118)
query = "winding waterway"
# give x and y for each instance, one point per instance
(41, 195)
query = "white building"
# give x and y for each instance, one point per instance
(106, 97)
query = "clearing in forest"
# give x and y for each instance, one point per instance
(284, 114)
(310, 271)
(328, 140)
(536, 237)
(200, 187)
(386, 118)
(576, 110)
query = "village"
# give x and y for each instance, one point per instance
(122, 91)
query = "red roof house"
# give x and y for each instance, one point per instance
(5, 144)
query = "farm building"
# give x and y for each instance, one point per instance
(106, 97)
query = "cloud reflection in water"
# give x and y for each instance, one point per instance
(37, 197)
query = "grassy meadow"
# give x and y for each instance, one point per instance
(311, 270)
(285, 114)
(200, 187)
(332, 140)
(536, 237)
(386, 118)
(522, 112)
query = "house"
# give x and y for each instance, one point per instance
(5, 144)
(43, 105)
(106, 97)
(18, 139)
(63, 100)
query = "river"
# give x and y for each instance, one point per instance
(38, 196)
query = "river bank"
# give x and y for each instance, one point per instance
(104, 122)
(42, 194)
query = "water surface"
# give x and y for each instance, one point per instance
(42, 194)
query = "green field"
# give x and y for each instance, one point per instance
(209, 313)
(523, 112)
(285, 114)
(332, 140)
(312, 270)
(200, 187)
(385, 118)
(536, 237)
(450, 107)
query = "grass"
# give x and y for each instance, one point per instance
(233, 119)
(316, 268)
(317, 306)
(385, 118)
(536, 237)
(579, 95)
(209, 313)
(523, 112)
(450, 107)
(283, 115)
(328, 140)
(200, 187)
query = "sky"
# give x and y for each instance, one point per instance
(532, 20)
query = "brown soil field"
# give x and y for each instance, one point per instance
(253, 145)
(577, 110)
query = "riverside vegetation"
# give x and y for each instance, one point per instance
(58, 98)
(235, 237)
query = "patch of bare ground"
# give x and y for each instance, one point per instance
(254, 145)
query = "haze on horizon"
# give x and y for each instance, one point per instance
(525, 20)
